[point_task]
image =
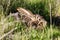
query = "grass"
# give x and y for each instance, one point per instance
(23, 32)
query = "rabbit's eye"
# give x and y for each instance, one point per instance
(39, 19)
(39, 24)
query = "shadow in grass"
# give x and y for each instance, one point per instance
(56, 21)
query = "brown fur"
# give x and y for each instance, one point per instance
(41, 21)
(31, 19)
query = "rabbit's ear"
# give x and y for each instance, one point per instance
(18, 8)
(30, 12)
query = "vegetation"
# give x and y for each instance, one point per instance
(23, 32)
